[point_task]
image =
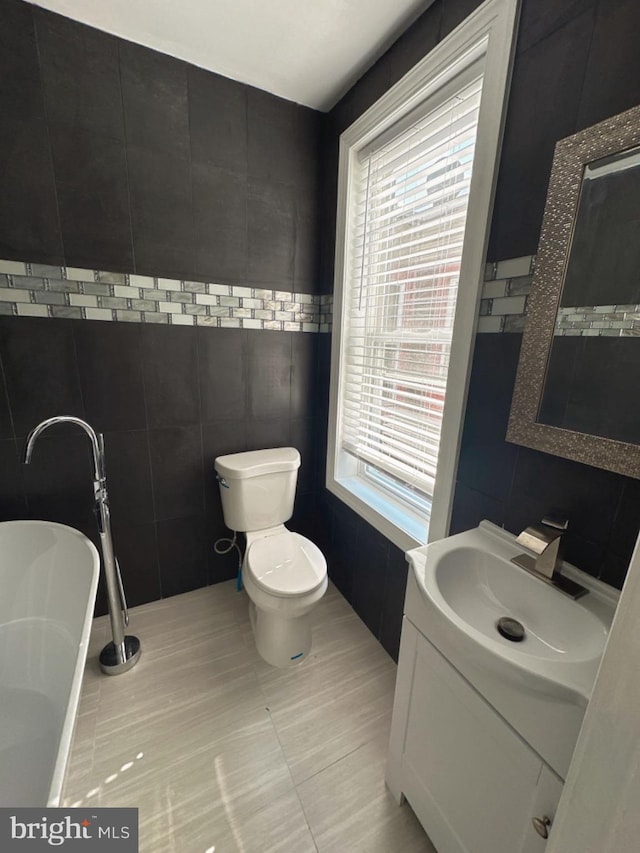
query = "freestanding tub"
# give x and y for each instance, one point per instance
(48, 580)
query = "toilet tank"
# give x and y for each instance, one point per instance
(258, 487)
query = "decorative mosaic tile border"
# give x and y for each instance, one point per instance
(41, 290)
(505, 294)
(615, 321)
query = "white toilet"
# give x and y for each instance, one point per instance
(284, 573)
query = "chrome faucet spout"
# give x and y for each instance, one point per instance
(97, 443)
(544, 541)
(124, 651)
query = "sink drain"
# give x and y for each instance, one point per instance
(510, 629)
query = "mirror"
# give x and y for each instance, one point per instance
(576, 392)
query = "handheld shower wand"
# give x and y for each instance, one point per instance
(123, 652)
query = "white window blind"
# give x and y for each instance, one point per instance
(408, 214)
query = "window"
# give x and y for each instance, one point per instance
(410, 204)
(408, 273)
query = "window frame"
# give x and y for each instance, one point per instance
(488, 33)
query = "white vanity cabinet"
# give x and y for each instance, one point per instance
(473, 782)
(484, 729)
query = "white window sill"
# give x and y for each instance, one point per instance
(399, 524)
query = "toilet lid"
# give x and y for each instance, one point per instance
(286, 564)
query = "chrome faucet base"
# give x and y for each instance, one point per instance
(565, 585)
(111, 658)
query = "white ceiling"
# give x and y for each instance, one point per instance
(308, 51)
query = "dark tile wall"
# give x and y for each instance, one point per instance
(158, 394)
(120, 158)
(515, 486)
(369, 570)
(117, 157)
(575, 64)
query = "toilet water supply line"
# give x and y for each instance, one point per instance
(219, 548)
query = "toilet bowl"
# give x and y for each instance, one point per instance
(284, 573)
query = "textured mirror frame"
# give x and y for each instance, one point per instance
(571, 155)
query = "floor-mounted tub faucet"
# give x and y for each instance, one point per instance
(124, 651)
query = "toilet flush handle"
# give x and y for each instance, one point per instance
(222, 481)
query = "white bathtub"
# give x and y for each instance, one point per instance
(48, 581)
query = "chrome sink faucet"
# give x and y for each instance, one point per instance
(545, 540)
(124, 651)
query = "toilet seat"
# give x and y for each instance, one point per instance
(286, 564)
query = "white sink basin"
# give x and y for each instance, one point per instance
(458, 590)
(475, 588)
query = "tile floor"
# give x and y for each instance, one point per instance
(221, 752)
